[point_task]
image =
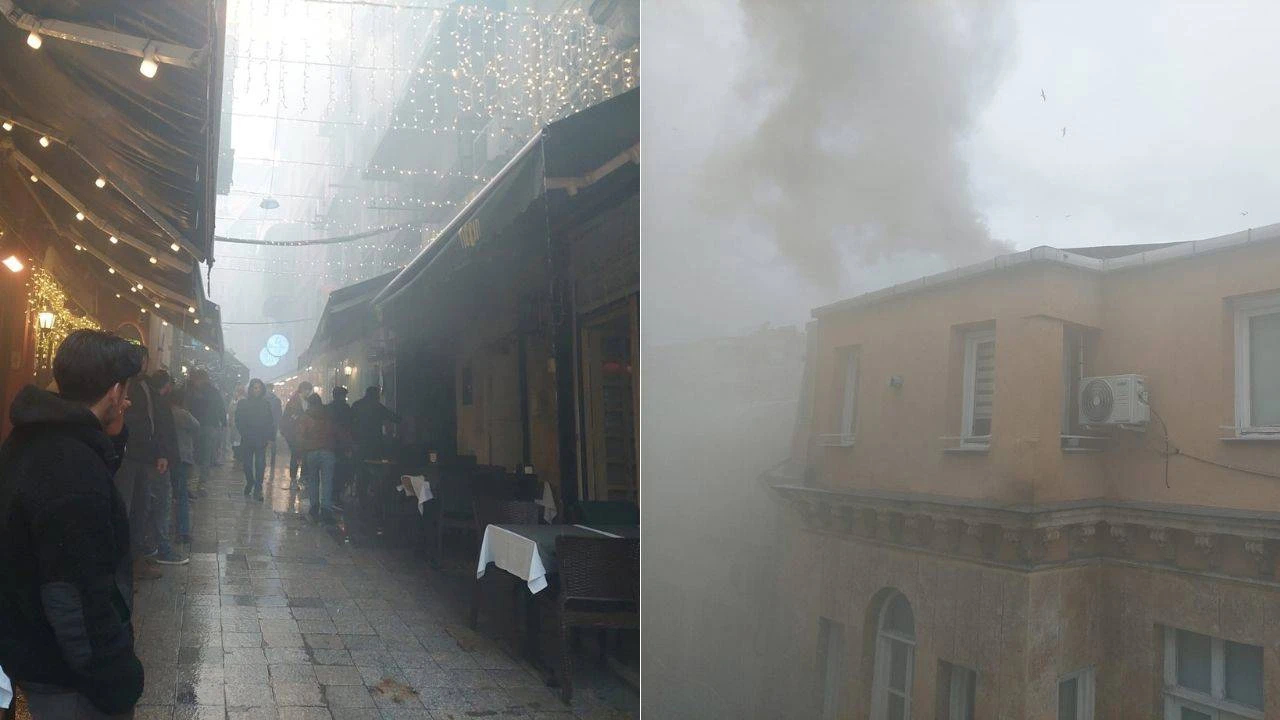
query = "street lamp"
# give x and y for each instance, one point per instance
(45, 319)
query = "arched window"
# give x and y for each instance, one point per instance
(895, 660)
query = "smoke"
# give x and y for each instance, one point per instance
(860, 150)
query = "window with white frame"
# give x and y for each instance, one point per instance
(847, 413)
(957, 687)
(1075, 695)
(831, 665)
(1073, 370)
(1258, 365)
(894, 661)
(1208, 678)
(979, 386)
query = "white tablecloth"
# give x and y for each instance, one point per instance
(514, 553)
(548, 503)
(418, 485)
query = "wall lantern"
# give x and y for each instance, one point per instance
(45, 320)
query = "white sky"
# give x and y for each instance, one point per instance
(1170, 113)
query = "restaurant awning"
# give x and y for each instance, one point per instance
(568, 155)
(347, 316)
(114, 165)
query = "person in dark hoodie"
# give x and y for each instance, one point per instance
(256, 424)
(143, 479)
(66, 597)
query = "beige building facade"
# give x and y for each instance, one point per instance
(965, 536)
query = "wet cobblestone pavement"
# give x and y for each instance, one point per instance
(276, 617)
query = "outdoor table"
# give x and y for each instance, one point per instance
(418, 486)
(529, 553)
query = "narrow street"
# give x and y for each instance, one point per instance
(276, 617)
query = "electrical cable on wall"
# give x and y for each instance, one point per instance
(1171, 450)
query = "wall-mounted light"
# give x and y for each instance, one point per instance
(45, 320)
(14, 264)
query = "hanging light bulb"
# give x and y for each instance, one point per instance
(113, 239)
(157, 306)
(34, 178)
(34, 40)
(113, 272)
(144, 310)
(191, 309)
(133, 289)
(8, 126)
(80, 216)
(197, 321)
(78, 247)
(44, 141)
(153, 260)
(174, 247)
(100, 182)
(149, 64)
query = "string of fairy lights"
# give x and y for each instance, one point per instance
(134, 289)
(52, 315)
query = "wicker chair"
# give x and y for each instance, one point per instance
(454, 509)
(607, 512)
(498, 512)
(599, 588)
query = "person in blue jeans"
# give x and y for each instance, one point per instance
(318, 434)
(180, 472)
(256, 424)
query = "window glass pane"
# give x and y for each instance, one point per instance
(850, 392)
(1264, 370)
(898, 617)
(1194, 661)
(963, 686)
(984, 385)
(1244, 674)
(898, 665)
(1189, 714)
(897, 708)
(1068, 693)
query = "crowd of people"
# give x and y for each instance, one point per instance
(97, 478)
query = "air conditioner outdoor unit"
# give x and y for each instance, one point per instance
(1114, 400)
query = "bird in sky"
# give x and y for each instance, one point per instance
(1242, 214)
(1042, 97)
(1064, 131)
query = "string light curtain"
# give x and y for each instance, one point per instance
(45, 297)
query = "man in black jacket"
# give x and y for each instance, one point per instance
(66, 592)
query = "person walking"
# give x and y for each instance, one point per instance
(318, 439)
(257, 426)
(277, 414)
(142, 472)
(232, 430)
(344, 425)
(188, 429)
(205, 403)
(369, 415)
(66, 633)
(293, 412)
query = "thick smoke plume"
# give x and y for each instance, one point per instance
(860, 150)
